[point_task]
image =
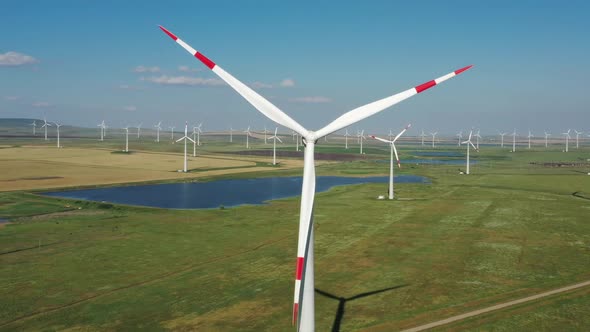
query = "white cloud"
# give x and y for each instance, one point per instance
(183, 80)
(130, 108)
(16, 59)
(311, 100)
(143, 69)
(287, 83)
(187, 69)
(41, 104)
(11, 98)
(261, 85)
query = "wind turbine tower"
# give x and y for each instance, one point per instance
(469, 144)
(433, 136)
(274, 146)
(185, 138)
(57, 125)
(45, 125)
(158, 128)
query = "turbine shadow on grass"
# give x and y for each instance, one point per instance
(342, 302)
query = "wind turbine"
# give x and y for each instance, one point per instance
(102, 127)
(34, 124)
(248, 134)
(502, 134)
(296, 138)
(392, 151)
(469, 143)
(265, 132)
(194, 141)
(546, 136)
(578, 133)
(567, 137)
(459, 136)
(530, 136)
(390, 136)
(158, 128)
(57, 125)
(185, 138)
(304, 304)
(199, 132)
(514, 141)
(172, 133)
(477, 137)
(346, 135)
(45, 125)
(126, 138)
(423, 135)
(433, 135)
(361, 137)
(274, 146)
(231, 134)
(138, 129)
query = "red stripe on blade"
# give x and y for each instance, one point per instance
(459, 71)
(205, 60)
(295, 312)
(425, 86)
(299, 270)
(168, 33)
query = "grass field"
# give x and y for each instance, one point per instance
(509, 230)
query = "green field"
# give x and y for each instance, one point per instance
(508, 230)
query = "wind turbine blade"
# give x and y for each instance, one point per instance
(473, 146)
(260, 103)
(190, 139)
(278, 139)
(396, 156)
(401, 133)
(367, 110)
(470, 133)
(180, 139)
(380, 139)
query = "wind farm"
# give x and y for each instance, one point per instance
(432, 226)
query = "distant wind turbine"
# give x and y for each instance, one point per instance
(158, 128)
(185, 138)
(422, 135)
(57, 125)
(567, 138)
(546, 136)
(138, 129)
(469, 144)
(477, 137)
(502, 135)
(433, 136)
(231, 134)
(578, 133)
(514, 141)
(459, 136)
(265, 132)
(530, 136)
(346, 135)
(392, 151)
(45, 125)
(361, 137)
(274, 146)
(126, 138)
(248, 134)
(172, 133)
(102, 127)
(199, 132)
(34, 124)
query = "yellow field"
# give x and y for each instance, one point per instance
(26, 168)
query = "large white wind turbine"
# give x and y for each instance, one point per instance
(469, 144)
(185, 138)
(502, 135)
(158, 128)
(274, 146)
(514, 140)
(34, 124)
(45, 125)
(567, 139)
(361, 137)
(392, 151)
(433, 135)
(578, 133)
(304, 307)
(57, 125)
(546, 136)
(529, 137)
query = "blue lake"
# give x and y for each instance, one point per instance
(203, 195)
(438, 154)
(431, 161)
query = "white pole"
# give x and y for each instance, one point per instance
(231, 135)
(361, 139)
(185, 153)
(467, 158)
(346, 142)
(391, 195)
(127, 140)
(58, 136)
(194, 146)
(247, 141)
(514, 143)
(274, 153)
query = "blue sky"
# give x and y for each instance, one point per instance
(89, 60)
